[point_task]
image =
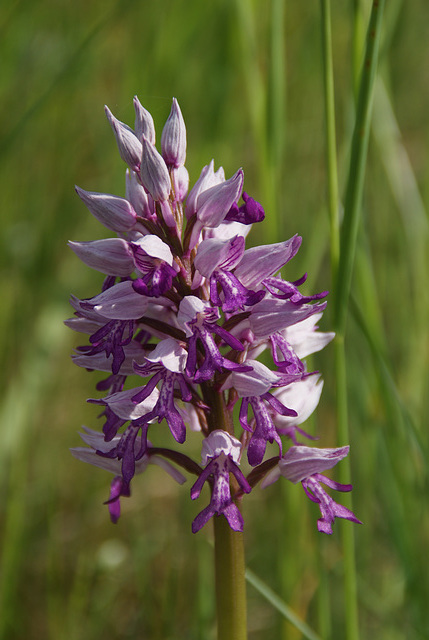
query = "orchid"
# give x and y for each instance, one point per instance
(303, 464)
(182, 319)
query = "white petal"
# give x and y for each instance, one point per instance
(300, 462)
(303, 396)
(170, 354)
(218, 442)
(155, 248)
(255, 382)
(122, 405)
(189, 308)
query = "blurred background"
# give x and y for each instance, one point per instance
(248, 77)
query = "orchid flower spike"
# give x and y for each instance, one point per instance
(187, 324)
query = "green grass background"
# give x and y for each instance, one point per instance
(66, 572)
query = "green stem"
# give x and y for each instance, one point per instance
(349, 232)
(353, 197)
(276, 112)
(230, 582)
(331, 150)
(229, 547)
(358, 39)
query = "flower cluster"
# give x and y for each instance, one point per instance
(184, 313)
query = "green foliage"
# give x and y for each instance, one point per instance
(251, 94)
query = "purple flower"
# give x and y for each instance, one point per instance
(215, 260)
(143, 126)
(328, 507)
(303, 396)
(188, 322)
(208, 178)
(213, 204)
(153, 258)
(115, 213)
(249, 212)
(167, 363)
(130, 148)
(198, 319)
(304, 464)
(220, 455)
(111, 338)
(253, 387)
(119, 486)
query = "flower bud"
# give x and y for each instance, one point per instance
(143, 127)
(154, 173)
(173, 139)
(136, 194)
(180, 180)
(129, 146)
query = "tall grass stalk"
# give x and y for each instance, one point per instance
(349, 232)
(276, 124)
(331, 144)
(281, 606)
(354, 189)
(334, 222)
(266, 110)
(358, 40)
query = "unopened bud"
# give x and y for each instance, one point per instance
(129, 146)
(154, 173)
(173, 139)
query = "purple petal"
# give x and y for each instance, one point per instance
(111, 255)
(114, 212)
(120, 302)
(263, 261)
(208, 178)
(214, 203)
(215, 254)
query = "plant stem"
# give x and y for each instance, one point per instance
(349, 232)
(331, 150)
(353, 197)
(230, 579)
(230, 582)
